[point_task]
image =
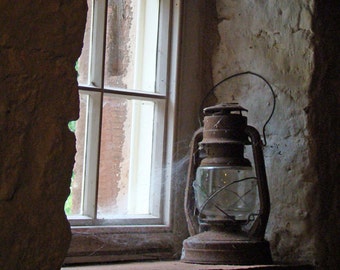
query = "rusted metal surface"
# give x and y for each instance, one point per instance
(221, 142)
(189, 199)
(259, 227)
(225, 248)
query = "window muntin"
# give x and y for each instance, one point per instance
(121, 131)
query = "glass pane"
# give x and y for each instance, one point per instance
(225, 193)
(125, 157)
(73, 205)
(131, 44)
(82, 65)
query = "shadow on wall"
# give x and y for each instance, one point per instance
(325, 131)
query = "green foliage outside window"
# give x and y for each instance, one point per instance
(68, 203)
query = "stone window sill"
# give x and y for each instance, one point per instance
(175, 265)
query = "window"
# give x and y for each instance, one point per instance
(119, 206)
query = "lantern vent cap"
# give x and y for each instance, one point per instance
(224, 108)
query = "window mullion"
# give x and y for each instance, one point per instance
(98, 43)
(97, 56)
(163, 47)
(92, 155)
(171, 107)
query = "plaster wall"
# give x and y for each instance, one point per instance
(274, 39)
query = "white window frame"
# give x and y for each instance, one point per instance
(139, 238)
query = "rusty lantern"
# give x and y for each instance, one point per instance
(227, 200)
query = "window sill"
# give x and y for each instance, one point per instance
(176, 265)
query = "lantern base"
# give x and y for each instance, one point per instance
(225, 248)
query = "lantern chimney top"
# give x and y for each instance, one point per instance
(224, 108)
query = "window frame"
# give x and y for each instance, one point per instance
(96, 93)
(92, 242)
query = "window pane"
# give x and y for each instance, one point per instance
(125, 157)
(73, 205)
(82, 65)
(131, 44)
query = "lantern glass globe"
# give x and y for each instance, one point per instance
(226, 193)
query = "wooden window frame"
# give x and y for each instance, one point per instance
(161, 238)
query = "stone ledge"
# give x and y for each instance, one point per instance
(175, 265)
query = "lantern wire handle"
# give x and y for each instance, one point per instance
(237, 75)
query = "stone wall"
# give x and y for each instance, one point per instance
(278, 40)
(273, 38)
(40, 42)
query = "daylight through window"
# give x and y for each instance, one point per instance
(118, 176)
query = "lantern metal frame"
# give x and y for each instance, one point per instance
(223, 137)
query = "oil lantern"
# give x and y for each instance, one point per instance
(227, 200)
